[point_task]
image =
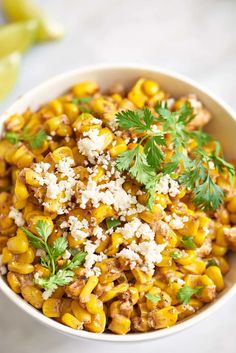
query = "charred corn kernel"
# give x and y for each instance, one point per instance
(71, 321)
(6, 256)
(62, 152)
(3, 168)
(103, 245)
(218, 250)
(56, 106)
(140, 276)
(116, 240)
(223, 216)
(27, 257)
(220, 236)
(13, 282)
(102, 212)
(88, 288)
(190, 227)
(94, 305)
(9, 153)
(184, 311)
(223, 264)
(71, 110)
(134, 295)
(80, 313)
(101, 105)
(31, 177)
(18, 244)
(42, 271)
(97, 324)
(232, 205)
(166, 260)
(215, 274)
(200, 238)
(51, 307)
(120, 325)
(66, 306)
(107, 135)
(35, 219)
(21, 191)
(152, 216)
(188, 258)
(172, 289)
(143, 288)
(152, 304)
(163, 318)
(118, 149)
(197, 267)
(114, 292)
(20, 267)
(169, 235)
(64, 130)
(15, 122)
(22, 157)
(99, 172)
(86, 88)
(58, 293)
(137, 98)
(33, 296)
(150, 88)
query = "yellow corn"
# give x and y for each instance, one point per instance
(85, 294)
(51, 307)
(215, 274)
(163, 318)
(120, 325)
(80, 313)
(33, 296)
(71, 321)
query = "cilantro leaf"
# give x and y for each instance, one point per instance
(139, 120)
(59, 247)
(188, 242)
(141, 170)
(208, 195)
(212, 262)
(176, 254)
(154, 298)
(35, 241)
(44, 229)
(37, 140)
(153, 152)
(185, 293)
(125, 159)
(112, 222)
(76, 261)
(12, 137)
(79, 100)
(61, 278)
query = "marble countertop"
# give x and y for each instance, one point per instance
(194, 37)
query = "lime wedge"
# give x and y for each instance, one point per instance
(9, 68)
(21, 10)
(17, 37)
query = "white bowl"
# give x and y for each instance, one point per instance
(223, 126)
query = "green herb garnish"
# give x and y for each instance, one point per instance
(188, 242)
(112, 223)
(35, 140)
(185, 293)
(212, 262)
(58, 277)
(145, 162)
(79, 100)
(176, 254)
(154, 298)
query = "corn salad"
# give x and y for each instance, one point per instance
(77, 239)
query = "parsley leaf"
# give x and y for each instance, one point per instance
(188, 242)
(185, 293)
(112, 222)
(154, 298)
(37, 140)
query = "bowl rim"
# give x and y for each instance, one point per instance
(132, 337)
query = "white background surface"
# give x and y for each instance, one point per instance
(194, 37)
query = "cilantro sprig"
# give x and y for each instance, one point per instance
(188, 242)
(112, 223)
(58, 276)
(146, 161)
(34, 140)
(185, 293)
(154, 298)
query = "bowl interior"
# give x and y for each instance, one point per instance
(223, 126)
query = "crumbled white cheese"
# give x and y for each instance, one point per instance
(167, 185)
(175, 221)
(136, 228)
(66, 255)
(131, 255)
(17, 216)
(48, 293)
(3, 269)
(40, 252)
(230, 232)
(64, 167)
(149, 252)
(195, 103)
(91, 257)
(91, 145)
(78, 229)
(41, 167)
